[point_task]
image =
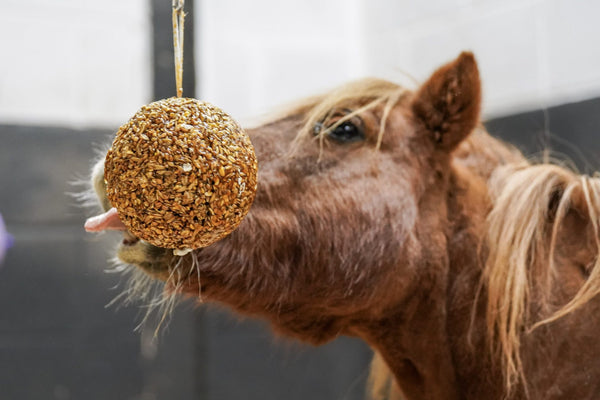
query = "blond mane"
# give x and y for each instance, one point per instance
(530, 204)
(359, 96)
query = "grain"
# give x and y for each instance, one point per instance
(181, 173)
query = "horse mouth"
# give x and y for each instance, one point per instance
(131, 250)
(129, 239)
(110, 220)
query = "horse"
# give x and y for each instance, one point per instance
(391, 215)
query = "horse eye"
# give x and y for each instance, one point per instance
(346, 132)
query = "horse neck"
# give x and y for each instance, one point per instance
(468, 204)
(417, 340)
(476, 373)
(435, 352)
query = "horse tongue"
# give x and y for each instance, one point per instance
(108, 220)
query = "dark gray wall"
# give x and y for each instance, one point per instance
(569, 132)
(57, 338)
(59, 341)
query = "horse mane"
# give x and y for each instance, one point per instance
(530, 204)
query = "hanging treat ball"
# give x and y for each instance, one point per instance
(181, 173)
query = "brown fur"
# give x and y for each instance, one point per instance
(471, 273)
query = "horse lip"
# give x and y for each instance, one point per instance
(129, 239)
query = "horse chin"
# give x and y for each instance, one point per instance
(151, 259)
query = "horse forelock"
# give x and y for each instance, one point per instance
(530, 205)
(354, 98)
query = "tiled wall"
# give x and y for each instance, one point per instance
(255, 55)
(532, 53)
(88, 62)
(74, 62)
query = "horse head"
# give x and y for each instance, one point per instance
(382, 213)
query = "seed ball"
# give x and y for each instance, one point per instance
(181, 173)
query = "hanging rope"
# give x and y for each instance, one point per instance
(178, 17)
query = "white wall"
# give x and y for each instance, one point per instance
(73, 62)
(253, 55)
(532, 53)
(88, 62)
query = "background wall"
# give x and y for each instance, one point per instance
(74, 63)
(72, 71)
(532, 53)
(90, 63)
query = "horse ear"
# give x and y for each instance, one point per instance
(447, 105)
